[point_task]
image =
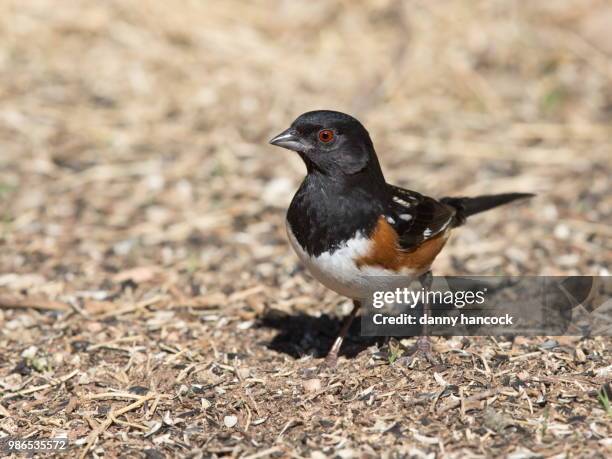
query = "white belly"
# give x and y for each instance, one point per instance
(339, 272)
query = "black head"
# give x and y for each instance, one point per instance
(331, 143)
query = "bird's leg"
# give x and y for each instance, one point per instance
(332, 357)
(423, 345)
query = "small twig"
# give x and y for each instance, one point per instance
(497, 343)
(249, 416)
(241, 295)
(474, 398)
(119, 395)
(153, 408)
(79, 310)
(557, 379)
(92, 422)
(177, 355)
(185, 371)
(485, 364)
(255, 405)
(290, 423)
(319, 392)
(93, 437)
(432, 408)
(131, 424)
(524, 356)
(131, 308)
(165, 347)
(114, 341)
(524, 395)
(41, 387)
(14, 302)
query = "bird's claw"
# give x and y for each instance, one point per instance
(331, 361)
(422, 349)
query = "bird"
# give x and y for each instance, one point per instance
(351, 229)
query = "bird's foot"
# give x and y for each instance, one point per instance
(424, 349)
(331, 360)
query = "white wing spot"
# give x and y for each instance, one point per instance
(390, 220)
(401, 201)
(427, 232)
(405, 217)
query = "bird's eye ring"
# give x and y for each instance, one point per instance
(326, 135)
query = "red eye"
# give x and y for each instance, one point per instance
(326, 135)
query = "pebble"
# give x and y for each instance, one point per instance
(230, 421)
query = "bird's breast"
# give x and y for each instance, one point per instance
(342, 269)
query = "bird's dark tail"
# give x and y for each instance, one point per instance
(470, 206)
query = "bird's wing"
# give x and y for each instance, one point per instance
(417, 218)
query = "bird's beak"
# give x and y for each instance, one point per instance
(289, 139)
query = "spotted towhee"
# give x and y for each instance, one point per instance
(351, 228)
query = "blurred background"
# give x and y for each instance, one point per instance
(136, 178)
(136, 132)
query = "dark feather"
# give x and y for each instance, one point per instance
(470, 206)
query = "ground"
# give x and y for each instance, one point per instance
(149, 302)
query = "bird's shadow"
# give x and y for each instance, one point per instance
(301, 334)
